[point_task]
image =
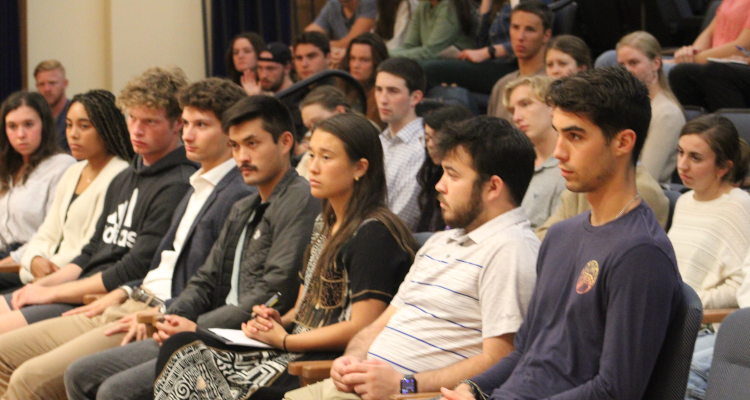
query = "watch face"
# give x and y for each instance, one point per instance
(408, 385)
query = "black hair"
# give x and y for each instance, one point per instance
(537, 8)
(316, 39)
(407, 69)
(108, 121)
(10, 160)
(496, 149)
(612, 98)
(724, 140)
(276, 117)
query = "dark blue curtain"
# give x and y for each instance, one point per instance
(10, 48)
(272, 19)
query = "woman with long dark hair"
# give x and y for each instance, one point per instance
(431, 217)
(362, 58)
(98, 136)
(358, 255)
(241, 58)
(31, 165)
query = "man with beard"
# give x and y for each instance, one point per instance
(274, 69)
(466, 294)
(51, 83)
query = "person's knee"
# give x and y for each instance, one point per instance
(76, 384)
(33, 380)
(124, 386)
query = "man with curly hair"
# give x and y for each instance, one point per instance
(137, 208)
(47, 348)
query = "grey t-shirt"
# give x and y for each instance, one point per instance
(335, 23)
(543, 195)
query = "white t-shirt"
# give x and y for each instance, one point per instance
(159, 280)
(462, 288)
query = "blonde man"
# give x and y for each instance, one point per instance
(51, 83)
(524, 98)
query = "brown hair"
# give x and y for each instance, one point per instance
(724, 140)
(258, 45)
(212, 94)
(156, 88)
(572, 46)
(379, 54)
(10, 161)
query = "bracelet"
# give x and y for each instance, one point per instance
(283, 344)
(475, 390)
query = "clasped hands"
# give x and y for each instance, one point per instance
(370, 379)
(266, 327)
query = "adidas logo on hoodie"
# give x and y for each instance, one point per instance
(119, 222)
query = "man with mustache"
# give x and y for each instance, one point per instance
(258, 253)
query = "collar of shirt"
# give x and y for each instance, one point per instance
(414, 130)
(214, 176)
(493, 227)
(551, 162)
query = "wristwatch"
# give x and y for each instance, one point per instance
(408, 384)
(491, 50)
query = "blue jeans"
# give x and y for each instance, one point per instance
(700, 365)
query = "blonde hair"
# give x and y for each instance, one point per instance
(538, 85)
(48, 65)
(156, 88)
(649, 45)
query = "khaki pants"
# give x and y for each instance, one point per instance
(324, 390)
(33, 359)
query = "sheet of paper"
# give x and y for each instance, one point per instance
(237, 338)
(726, 61)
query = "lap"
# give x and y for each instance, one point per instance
(324, 390)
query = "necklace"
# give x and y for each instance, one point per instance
(637, 196)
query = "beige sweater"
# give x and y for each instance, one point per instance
(573, 204)
(711, 239)
(659, 154)
(73, 233)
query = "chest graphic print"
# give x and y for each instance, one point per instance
(588, 277)
(117, 231)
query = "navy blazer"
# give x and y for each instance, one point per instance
(204, 230)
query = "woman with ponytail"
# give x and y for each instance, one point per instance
(98, 136)
(640, 53)
(358, 255)
(711, 225)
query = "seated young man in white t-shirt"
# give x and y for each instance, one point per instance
(464, 298)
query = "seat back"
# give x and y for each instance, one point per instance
(730, 368)
(740, 117)
(565, 16)
(670, 375)
(672, 195)
(693, 112)
(710, 13)
(672, 11)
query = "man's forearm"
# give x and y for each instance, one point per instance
(65, 274)
(432, 381)
(73, 292)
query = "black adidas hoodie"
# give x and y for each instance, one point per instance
(137, 213)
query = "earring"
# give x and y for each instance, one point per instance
(356, 179)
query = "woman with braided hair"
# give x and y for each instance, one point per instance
(98, 136)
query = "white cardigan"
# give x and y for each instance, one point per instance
(73, 233)
(24, 205)
(710, 240)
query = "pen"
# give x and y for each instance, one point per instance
(743, 50)
(270, 303)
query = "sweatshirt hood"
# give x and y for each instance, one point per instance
(175, 158)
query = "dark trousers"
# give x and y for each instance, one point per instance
(711, 86)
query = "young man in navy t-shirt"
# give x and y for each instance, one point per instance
(608, 286)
